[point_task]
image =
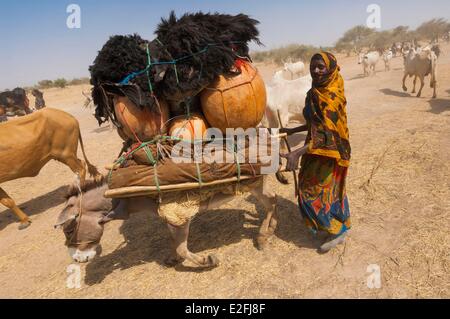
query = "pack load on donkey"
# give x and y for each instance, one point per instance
(196, 74)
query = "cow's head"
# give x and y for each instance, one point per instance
(37, 93)
(82, 220)
(361, 57)
(39, 99)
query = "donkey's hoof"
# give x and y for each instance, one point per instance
(281, 178)
(171, 262)
(261, 242)
(24, 225)
(213, 261)
(405, 89)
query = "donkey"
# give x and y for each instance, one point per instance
(83, 219)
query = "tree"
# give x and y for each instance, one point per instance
(344, 47)
(355, 37)
(379, 40)
(433, 29)
(400, 33)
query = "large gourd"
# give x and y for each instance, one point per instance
(139, 123)
(235, 102)
(188, 129)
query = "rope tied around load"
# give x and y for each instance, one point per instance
(162, 152)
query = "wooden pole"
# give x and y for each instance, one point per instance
(134, 191)
(289, 150)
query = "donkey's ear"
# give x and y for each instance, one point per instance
(59, 224)
(66, 215)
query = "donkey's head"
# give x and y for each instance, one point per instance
(82, 219)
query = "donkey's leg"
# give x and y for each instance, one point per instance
(268, 199)
(177, 238)
(281, 177)
(180, 236)
(9, 202)
(414, 83)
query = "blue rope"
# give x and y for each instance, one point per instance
(131, 76)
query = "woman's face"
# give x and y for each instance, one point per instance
(318, 70)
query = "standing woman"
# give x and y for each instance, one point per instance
(326, 153)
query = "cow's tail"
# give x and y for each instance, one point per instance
(93, 171)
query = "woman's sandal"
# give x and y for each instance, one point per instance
(333, 242)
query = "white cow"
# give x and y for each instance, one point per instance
(420, 64)
(396, 49)
(296, 69)
(286, 97)
(387, 57)
(369, 61)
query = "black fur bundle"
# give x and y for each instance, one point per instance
(204, 46)
(226, 35)
(120, 56)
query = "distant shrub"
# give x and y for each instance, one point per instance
(78, 81)
(60, 83)
(45, 84)
(292, 52)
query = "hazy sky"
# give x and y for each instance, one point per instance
(36, 43)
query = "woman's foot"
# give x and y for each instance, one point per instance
(332, 242)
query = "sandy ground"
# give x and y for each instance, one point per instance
(399, 195)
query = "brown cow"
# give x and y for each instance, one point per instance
(29, 142)
(3, 117)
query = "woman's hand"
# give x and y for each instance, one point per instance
(293, 158)
(292, 161)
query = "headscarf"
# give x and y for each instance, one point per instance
(325, 113)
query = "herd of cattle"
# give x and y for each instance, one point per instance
(16, 103)
(419, 62)
(284, 97)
